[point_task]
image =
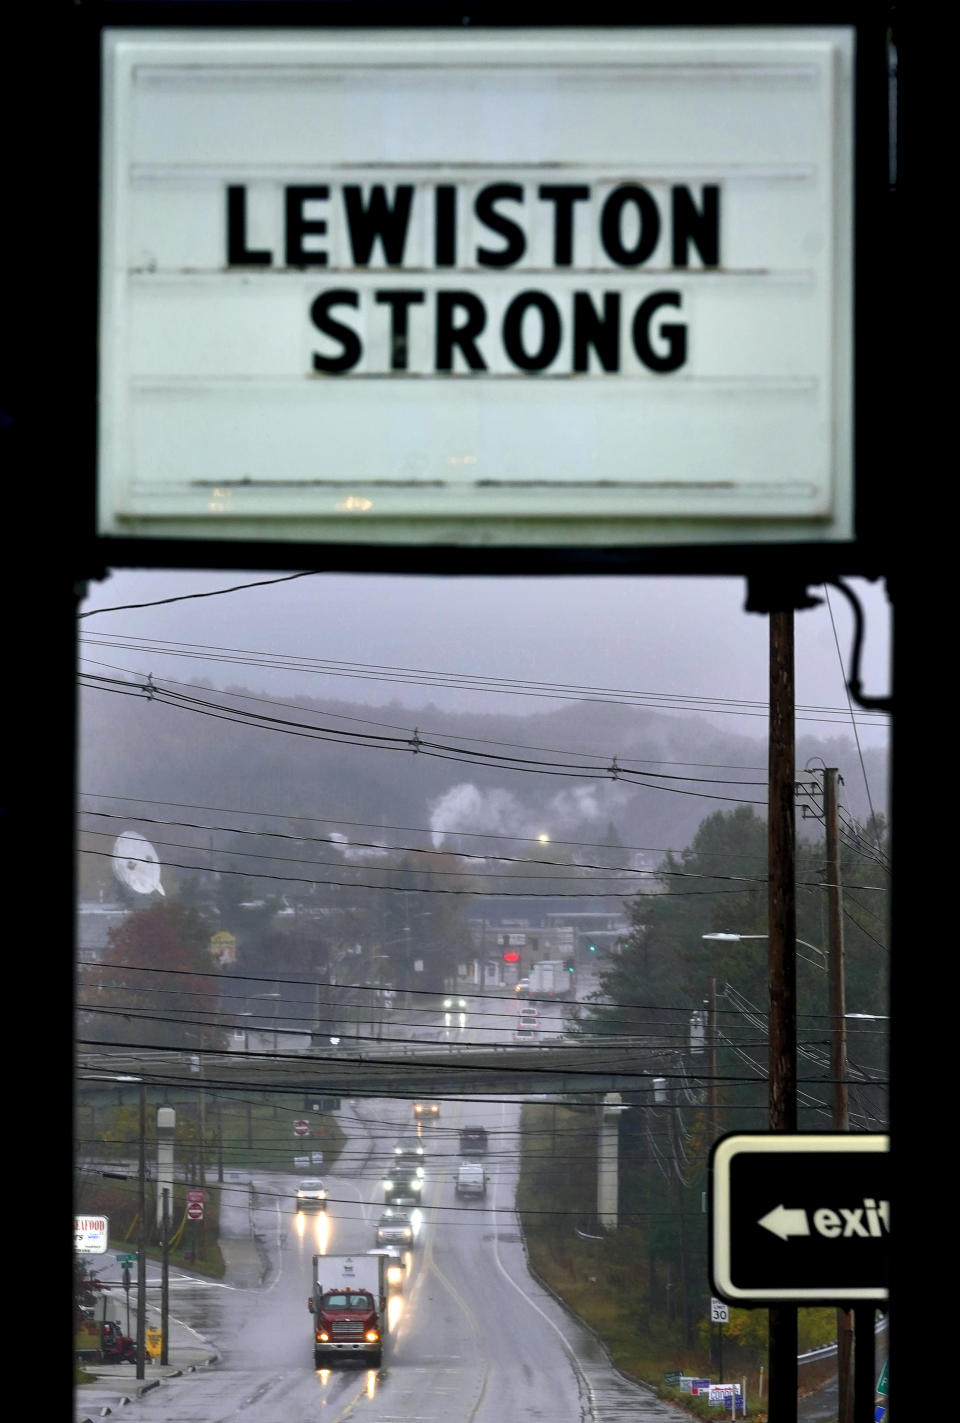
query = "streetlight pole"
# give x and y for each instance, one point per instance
(712, 1062)
(736, 939)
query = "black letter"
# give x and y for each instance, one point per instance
(563, 196)
(701, 228)
(676, 335)
(237, 252)
(590, 329)
(378, 220)
(352, 349)
(463, 336)
(516, 242)
(399, 302)
(610, 225)
(549, 337)
(445, 236)
(298, 226)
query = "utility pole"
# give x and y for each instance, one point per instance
(782, 963)
(838, 1055)
(835, 965)
(165, 1279)
(712, 1132)
(142, 1239)
(219, 1140)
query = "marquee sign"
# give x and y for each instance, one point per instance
(479, 287)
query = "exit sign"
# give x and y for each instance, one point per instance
(800, 1217)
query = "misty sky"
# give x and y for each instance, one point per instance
(672, 637)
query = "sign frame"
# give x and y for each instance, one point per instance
(91, 1234)
(792, 1218)
(526, 547)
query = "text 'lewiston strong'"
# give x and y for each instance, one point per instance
(550, 276)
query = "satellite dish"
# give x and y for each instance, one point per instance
(136, 864)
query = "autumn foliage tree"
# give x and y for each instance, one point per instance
(157, 984)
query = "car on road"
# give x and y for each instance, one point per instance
(395, 1228)
(403, 1185)
(410, 1146)
(396, 1265)
(426, 1111)
(455, 1012)
(528, 1026)
(471, 1179)
(473, 1141)
(311, 1194)
(406, 1161)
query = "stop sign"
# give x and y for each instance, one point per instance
(301, 1128)
(195, 1210)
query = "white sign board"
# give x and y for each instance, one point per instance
(475, 287)
(90, 1234)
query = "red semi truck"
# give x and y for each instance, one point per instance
(349, 1308)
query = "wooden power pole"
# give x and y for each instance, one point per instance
(782, 964)
(838, 1054)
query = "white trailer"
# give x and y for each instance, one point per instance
(551, 978)
(349, 1307)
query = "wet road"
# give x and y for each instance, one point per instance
(473, 1338)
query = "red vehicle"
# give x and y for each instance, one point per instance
(117, 1347)
(348, 1305)
(105, 1343)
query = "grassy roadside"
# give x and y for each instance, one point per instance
(624, 1285)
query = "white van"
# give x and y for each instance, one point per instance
(471, 1179)
(528, 1026)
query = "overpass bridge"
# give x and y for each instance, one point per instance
(583, 1070)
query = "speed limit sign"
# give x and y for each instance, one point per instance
(719, 1313)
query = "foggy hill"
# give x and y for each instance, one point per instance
(150, 751)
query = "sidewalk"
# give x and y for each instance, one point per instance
(116, 1384)
(187, 1351)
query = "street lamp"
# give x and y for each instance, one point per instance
(735, 938)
